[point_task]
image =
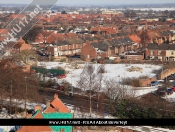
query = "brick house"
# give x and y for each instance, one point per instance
(94, 51)
(67, 47)
(163, 52)
(43, 37)
(134, 56)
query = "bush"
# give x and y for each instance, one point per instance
(135, 82)
(143, 77)
(63, 60)
(126, 81)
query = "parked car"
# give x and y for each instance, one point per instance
(32, 71)
(173, 88)
(61, 76)
(60, 88)
(54, 87)
(154, 83)
(161, 91)
(170, 77)
(51, 76)
(169, 91)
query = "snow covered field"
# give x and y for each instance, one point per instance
(154, 9)
(115, 71)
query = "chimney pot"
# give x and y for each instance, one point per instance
(55, 96)
(37, 107)
(47, 103)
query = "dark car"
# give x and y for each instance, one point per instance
(51, 76)
(169, 91)
(161, 91)
(170, 77)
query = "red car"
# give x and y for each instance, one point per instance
(33, 71)
(173, 88)
(62, 76)
(60, 88)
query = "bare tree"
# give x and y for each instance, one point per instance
(144, 38)
(25, 57)
(91, 80)
(13, 83)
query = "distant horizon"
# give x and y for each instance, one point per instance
(93, 4)
(96, 2)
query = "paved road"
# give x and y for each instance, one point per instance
(75, 101)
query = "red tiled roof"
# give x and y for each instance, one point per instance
(35, 128)
(135, 38)
(50, 110)
(3, 31)
(58, 106)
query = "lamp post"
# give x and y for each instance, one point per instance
(71, 84)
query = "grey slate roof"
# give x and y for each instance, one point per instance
(161, 47)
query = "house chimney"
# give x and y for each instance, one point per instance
(37, 107)
(62, 130)
(47, 103)
(87, 42)
(55, 96)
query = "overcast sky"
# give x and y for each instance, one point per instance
(93, 1)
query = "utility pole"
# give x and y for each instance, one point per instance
(11, 93)
(10, 97)
(90, 110)
(26, 98)
(98, 102)
(90, 98)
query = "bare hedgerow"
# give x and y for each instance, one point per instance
(143, 77)
(118, 92)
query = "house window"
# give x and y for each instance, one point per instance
(137, 58)
(88, 56)
(129, 58)
(159, 52)
(151, 52)
(55, 49)
(172, 52)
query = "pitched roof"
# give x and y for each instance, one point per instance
(57, 105)
(37, 115)
(161, 47)
(35, 129)
(135, 38)
(46, 34)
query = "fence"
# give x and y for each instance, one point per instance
(44, 70)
